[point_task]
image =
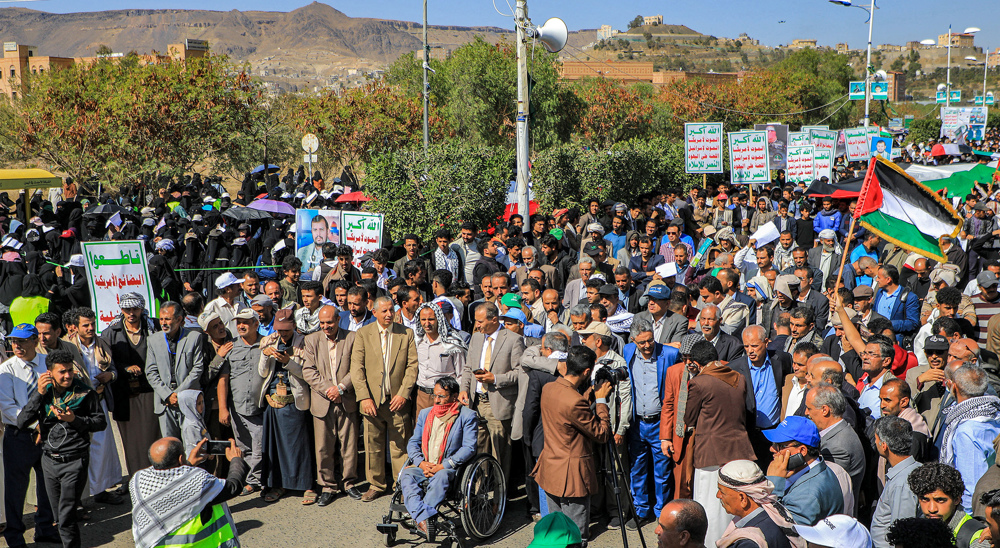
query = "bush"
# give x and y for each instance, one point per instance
(924, 130)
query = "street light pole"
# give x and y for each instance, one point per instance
(427, 87)
(986, 71)
(868, 64)
(947, 97)
(521, 21)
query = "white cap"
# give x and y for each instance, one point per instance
(827, 234)
(75, 260)
(209, 200)
(227, 280)
(835, 531)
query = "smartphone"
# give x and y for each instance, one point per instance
(479, 371)
(795, 462)
(216, 447)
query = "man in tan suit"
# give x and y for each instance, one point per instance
(489, 380)
(384, 370)
(566, 468)
(327, 369)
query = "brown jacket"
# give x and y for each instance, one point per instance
(367, 364)
(720, 434)
(566, 467)
(317, 371)
(668, 411)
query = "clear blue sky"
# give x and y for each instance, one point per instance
(896, 21)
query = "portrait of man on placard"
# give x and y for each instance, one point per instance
(314, 228)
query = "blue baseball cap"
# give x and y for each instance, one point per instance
(23, 331)
(794, 428)
(658, 291)
(515, 314)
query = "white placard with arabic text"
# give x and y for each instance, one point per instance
(361, 231)
(113, 269)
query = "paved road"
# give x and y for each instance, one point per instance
(347, 523)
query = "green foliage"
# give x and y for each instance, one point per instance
(924, 130)
(635, 23)
(455, 182)
(567, 175)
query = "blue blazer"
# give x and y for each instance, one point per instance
(638, 272)
(813, 496)
(345, 319)
(461, 444)
(905, 315)
(664, 355)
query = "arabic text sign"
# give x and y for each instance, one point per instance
(823, 139)
(857, 144)
(798, 138)
(823, 163)
(703, 148)
(748, 158)
(113, 269)
(968, 123)
(313, 228)
(800, 164)
(361, 231)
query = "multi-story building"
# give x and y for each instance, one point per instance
(652, 20)
(897, 85)
(958, 39)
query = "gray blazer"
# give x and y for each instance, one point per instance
(675, 326)
(189, 361)
(505, 364)
(842, 446)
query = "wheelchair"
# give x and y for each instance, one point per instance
(477, 499)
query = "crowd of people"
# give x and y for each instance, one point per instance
(828, 387)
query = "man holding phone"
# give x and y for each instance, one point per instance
(67, 411)
(803, 483)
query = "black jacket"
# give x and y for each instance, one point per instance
(74, 438)
(533, 435)
(123, 355)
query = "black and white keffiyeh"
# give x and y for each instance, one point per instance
(163, 500)
(981, 407)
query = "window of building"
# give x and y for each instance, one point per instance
(11, 72)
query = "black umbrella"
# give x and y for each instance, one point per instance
(245, 214)
(109, 209)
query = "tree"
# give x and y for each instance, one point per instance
(613, 113)
(922, 131)
(455, 182)
(635, 23)
(897, 64)
(103, 50)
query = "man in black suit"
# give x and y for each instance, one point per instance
(784, 221)
(742, 214)
(813, 299)
(710, 324)
(628, 293)
(825, 256)
(764, 373)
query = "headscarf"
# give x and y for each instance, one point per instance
(987, 407)
(447, 335)
(746, 477)
(762, 287)
(193, 428)
(163, 500)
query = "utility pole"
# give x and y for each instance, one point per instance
(427, 86)
(947, 97)
(521, 20)
(868, 65)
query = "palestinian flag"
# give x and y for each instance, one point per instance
(905, 212)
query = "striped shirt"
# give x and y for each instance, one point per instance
(984, 311)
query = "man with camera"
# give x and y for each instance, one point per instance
(565, 468)
(67, 411)
(648, 361)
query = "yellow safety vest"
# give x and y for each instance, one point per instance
(220, 531)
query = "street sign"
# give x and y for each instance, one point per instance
(857, 91)
(310, 158)
(310, 143)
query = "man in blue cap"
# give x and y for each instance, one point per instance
(803, 483)
(668, 326)
(18, 379)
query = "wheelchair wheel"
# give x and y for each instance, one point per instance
(484, 492)
(389, 538)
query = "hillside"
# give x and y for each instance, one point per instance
(312, 46)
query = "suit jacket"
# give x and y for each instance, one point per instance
(575, 290)
(638, 269)
(532, 434)
(787, 223)
(552, 278)
(720, 427)
(189, 361)
(319, 372)
(821, 306)
(781, 365)
(729, 347)
(668, 412)
(345, 319)
(505, 364)
(567, 466)
(814, 257)
(751, 303)
(664, 356)
(367, 365)
(675, 326)
(461, 444)
(814, 496)
(842, 446)
(267, 368)
(905, 315)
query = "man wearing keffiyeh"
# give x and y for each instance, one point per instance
(760, 520)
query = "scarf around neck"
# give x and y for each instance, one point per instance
(163, 500)
(71, 399)
(448, 413)
(987, 407)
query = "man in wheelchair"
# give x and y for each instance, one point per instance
(444, 438)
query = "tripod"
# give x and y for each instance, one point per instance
(613, 472)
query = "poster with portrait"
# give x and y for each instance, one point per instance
(114, 268)
(313, 228)
(881, 147)
(777, 143)
(963, 124)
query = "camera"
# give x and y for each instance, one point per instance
(614, 375)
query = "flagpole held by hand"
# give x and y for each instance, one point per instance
(843, 255)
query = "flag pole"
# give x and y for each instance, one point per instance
(843, 256)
